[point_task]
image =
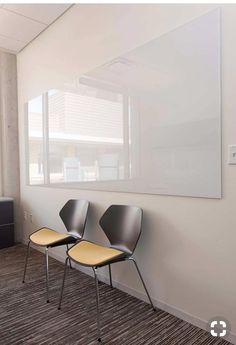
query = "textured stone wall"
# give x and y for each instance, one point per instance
(9, 149)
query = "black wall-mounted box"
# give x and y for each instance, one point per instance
(6, 222)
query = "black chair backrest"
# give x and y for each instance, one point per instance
(74, 216)
(122, 225)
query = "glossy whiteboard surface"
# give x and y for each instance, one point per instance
(146, 122)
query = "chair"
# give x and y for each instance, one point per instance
(122, 226)
(73, 215)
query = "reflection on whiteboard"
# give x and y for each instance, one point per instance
(173, 85)
(148, 121)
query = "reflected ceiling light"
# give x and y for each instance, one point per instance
(119, 65)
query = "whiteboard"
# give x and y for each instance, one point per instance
(150, 119)
(173, 84)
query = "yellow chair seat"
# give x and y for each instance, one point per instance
(45, 237)
(91, 254)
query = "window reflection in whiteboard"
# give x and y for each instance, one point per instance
(35, 140)
(86, 135)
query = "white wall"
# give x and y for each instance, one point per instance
(187, 249)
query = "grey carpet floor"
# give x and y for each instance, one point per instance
(26, 319)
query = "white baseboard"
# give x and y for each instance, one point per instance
(231, 337)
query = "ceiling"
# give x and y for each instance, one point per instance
(21, 23)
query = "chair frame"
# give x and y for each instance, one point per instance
(46, 261)
(66, 241)
(127, 257)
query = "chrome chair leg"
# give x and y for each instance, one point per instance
(110, 276)
(97, 304)
(144, 285)
(69, 258)
(47, 274)
(26, 261)
(63, 283)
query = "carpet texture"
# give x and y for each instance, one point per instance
(26, 318)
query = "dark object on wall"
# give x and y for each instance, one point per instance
(6, 222)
